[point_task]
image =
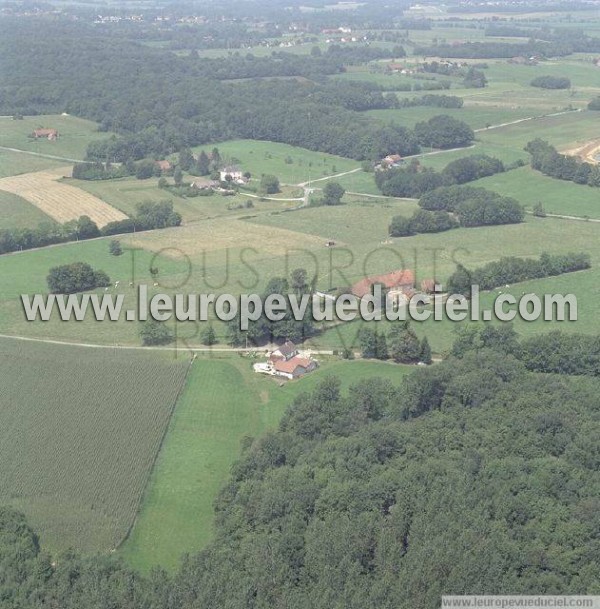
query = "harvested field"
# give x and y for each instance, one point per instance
(588, 152)
(224, 233)
(57, 200)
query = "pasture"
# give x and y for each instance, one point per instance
(16, 212)
(79, 433)
(224, 402)
(124, 194)
(15, 163)
(74, 135)
(291, 164)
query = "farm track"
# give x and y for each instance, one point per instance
(42, 155)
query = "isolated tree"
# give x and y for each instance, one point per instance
(203, 164)
(208, 336)
(367, 339)
(154, 332)
(425, 351)
(333, 193)
(114, 247)
(404, 345)
(269, 184)
(382, 347)
(299, 281)
(186, 159)
(178, 176)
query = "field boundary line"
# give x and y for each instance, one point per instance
(142, 497)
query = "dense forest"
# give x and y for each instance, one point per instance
(159, 102)
(369, 498)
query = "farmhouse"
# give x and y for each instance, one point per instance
(286, 361)
(284, 352)
(231, 174)
(396, 280)
(205, 184)
(164, 166)
(49, 134)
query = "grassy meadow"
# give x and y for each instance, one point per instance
(16, 212)
(74, 135)
(223, 403)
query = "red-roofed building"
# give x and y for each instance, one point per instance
(396, 280)
(164, 166)
(49, 134)
(294, 367)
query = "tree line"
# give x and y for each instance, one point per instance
(511, 269)
(545, 158)
(149, 215)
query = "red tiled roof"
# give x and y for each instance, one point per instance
(42, 132)
(389, 280)
(290, 365)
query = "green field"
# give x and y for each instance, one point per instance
(79, 433)
(15, 163)
(16, 212)
(126, 193)
(224, 402)
(74, 135)
(557, 196)
(259, 157)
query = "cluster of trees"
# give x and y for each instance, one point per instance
(474, 206)
(432, 100)
(594, 104)
(444, 132)
(551, 82)
(553, 352)
(422, 221)
(414, 181)
(545, 158)
(266, 331)
(511, 269)
(400, 344)
(149, 215)
(47, 233)
(155, 333)
(332, 195)
(75, 277)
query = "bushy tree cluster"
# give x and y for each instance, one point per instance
(75, 277)
(474, 206)
(422, 221)
(400, 344)
(288, 328)
(550, 162)
(551, 82)
(414, 180)
(511, 269)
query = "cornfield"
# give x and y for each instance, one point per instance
(79, 432)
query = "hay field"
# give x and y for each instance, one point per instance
(60, 201)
